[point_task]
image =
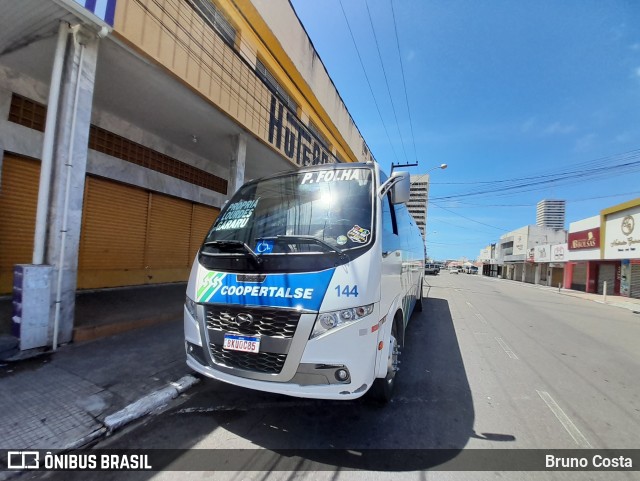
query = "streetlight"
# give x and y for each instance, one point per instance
(441, 166)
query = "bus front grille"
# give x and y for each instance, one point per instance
(263, 321)
(264, 362)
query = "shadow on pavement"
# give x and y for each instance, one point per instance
(428, 423)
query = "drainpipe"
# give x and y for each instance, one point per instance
(47, 147)
(69, 164)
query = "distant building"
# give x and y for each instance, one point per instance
(551, 213)
(417, 204)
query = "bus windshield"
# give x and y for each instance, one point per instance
(328, 210)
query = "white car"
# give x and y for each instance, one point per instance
(453, 270)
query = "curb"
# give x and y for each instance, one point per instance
(149, 403)
(132, 412)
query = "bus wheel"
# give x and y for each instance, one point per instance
(382, 389)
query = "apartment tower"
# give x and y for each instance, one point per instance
(551, 213)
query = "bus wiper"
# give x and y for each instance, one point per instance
(308, 239)
(222, 244)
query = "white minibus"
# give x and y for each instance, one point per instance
(305, 284)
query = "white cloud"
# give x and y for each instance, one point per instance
(557, 128)
(528, 125)
(585, 143)
(623, 137)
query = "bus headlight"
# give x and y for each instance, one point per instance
(330, 320)
(191, 307)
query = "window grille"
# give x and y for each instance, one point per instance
(274, 86)
(212, 15)
(32, 114)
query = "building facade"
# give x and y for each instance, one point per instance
(417, 204)
(585, 271)
(551, 213)
(125, 125)
(620, 230)
(601, 254)
(517, 250)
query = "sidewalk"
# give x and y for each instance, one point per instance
(62, 400)
(628, 303)
(66, 399)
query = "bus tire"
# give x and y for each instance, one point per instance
(382, 389)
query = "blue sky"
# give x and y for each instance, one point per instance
(498, 90)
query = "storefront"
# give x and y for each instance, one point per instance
(583, 266)
(621, 242)
(555, 275)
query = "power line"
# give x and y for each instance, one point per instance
(627, 162)
(367, 78)
(404, 84)
(386, 80)
(468, 218)
(471, 205)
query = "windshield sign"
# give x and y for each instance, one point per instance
(237, 215)
(327, 210)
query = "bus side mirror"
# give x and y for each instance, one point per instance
(401, 189)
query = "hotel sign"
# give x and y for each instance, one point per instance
(293, 139)
(585, 239)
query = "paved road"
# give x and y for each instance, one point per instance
(490, 364)
(551, 370)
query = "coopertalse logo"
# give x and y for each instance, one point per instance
(628, 224)
(211, 283)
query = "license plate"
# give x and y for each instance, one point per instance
(234, 342)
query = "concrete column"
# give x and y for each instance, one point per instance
(592, 277)
(238, 162)
(68, 178)
(568, 274)
(5, 106)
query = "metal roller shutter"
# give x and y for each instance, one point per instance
(113, 237)
(131, 236)
(18, 202)
(529, 273)
(202, 219)
(167, 253)
(579, 282)
(634, 284)
(544, 270)
(557, 276)
(606, 273)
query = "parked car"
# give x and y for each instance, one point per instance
(453, 270)
(432, 269)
